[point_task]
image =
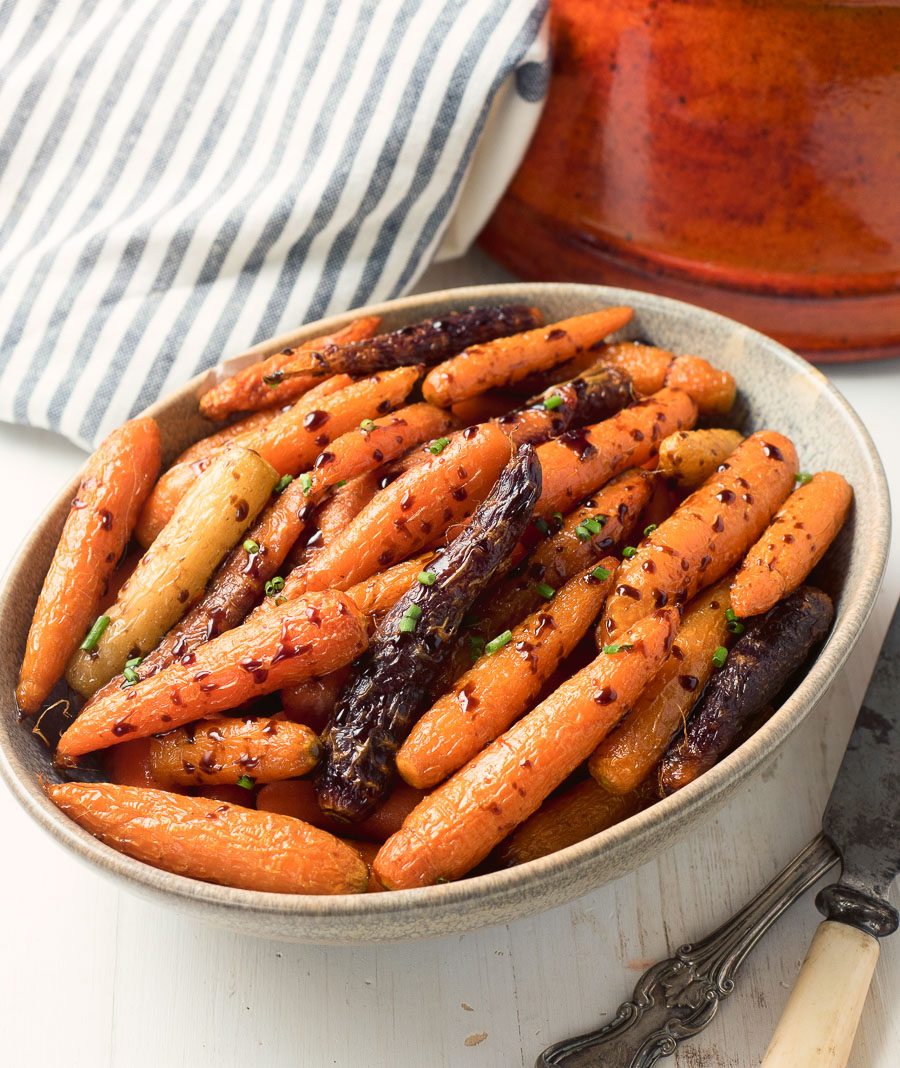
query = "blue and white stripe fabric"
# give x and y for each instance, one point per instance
(180, 179)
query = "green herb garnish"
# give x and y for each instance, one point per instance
(306, 482)
(649, 530)
(720, 656)
(131, 676)
(367, 425)
(545, 590)
(600, 573)
(133, 662)
(251, 546)
(620, 647)
(283, 483)
(628, 552)
(803, 477)
(553, 402)
(735, 627)
(413, 612)
(94, 634)
(426, 578)
(274, 585)
(407, 625)
(437, 447)
(246, 782)
(496, 644)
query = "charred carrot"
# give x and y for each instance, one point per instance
(113, 488)
(234, 751)
(458, 824)
(691, 456)
(581, 461)
(507, 360)
(795, 541)
(297, 798)
(627, 756)
(247, 390)
(212, 840)
(499, 688)
(706, 535)
(309, 636)
(404, 517)
(712, 389)
(427, 342)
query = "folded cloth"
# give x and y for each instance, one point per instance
(180, 179)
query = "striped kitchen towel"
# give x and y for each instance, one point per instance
(180, 179)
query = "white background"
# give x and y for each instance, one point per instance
(91, 976)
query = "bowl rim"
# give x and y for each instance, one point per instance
(495, 887)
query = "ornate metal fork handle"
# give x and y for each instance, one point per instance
(679, 996)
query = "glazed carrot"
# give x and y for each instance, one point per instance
(234, 751)
(627, 756)
(332, 516)
(382, 591)
(499, 688)
(713, 390)
(311, 702)
(213, 841)
(427, 342)
(402, 518)
(458, 824)
(174, 571)
(114, 485)
(486, 406)
(203, 449)
(504, 361)
(706, 535)
(583, 810)
(231, 795)
(691, 456)
(246, 391)
(581, 461)
(297, 798)
(309, 636)
(645, 365)
(128, 764)
(795, 541)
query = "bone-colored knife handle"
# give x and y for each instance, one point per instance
(818, 1024)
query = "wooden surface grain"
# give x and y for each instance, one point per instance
(95, 977)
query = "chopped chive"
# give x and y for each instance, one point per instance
(407, 625)
(803, 477)
(251, 546)
(367, 425)
(413, 612)
(283, 483)
(496, 644)
(280, 600)
(306, 482)
(729, 615)
(720, 656)
(274, 585)
(246, 782)
(558, 516)
(600, 573)
(735, 627)
(93, 635)
(476, 647)
(628, 552)
(553, 402)
(582, 533)
(437, 447)
(426, 578)
(617, 648)
(593, 525)
(602, 520)
(542, 525)
(343, 482)
(133, 662)
(545, 590)
(131, 676)
(649, 530)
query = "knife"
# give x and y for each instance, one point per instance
(861, 829)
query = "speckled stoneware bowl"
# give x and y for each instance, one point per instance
(777, 390)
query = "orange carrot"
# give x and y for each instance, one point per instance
(311, 702)
(793, 544)
(332, 516)
(297, 798)
(309, 636)
(458, 824)
(485, 406)
(292, 440)
(645, 365)
(406, 515)
(246, 391)
(507, 360)
(227, 751)
(706, 535)
(713, 390)
(128, 764)
(203, 449)
(627, 756)
(382, 591)
(213, 841)
(581, 461)
(499, 688)
(114, 486)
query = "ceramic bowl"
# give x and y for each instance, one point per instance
(777, 390)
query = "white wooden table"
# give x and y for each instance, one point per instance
(93, 977)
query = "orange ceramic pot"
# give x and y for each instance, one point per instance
(743, 155)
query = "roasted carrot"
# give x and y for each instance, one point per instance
(499, 688)
(712, 389)
(234, 751)
(293, 440)
(247, 390)
(128, 764)
(311, 702)
(113, 488)
(402, 518)
(213, 841)
(691, 456)
(458, 824)
(645, 365)
(792, 545)
(581, 461)
(203, 449)
(173, 572)
(504, 361)
(427, 342)
(382, 591)
(486, 406)
(297, 798)
(294, 641)
(706, 535)
(627, 756)
(583, 810)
